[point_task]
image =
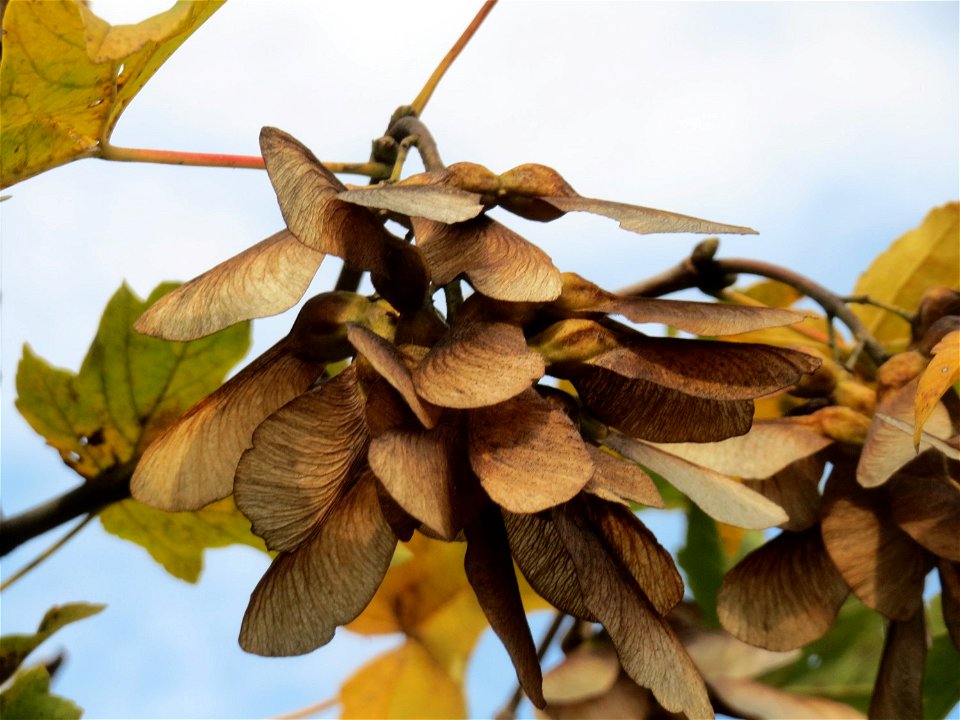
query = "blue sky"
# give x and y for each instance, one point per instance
(830, 127)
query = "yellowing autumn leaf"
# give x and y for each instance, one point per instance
(128, 389)
(925, 257)
(942, 372)
(66, 75)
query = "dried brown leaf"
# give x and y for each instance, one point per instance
(545, 563)
(433, 202)
(796, 490)
(325, 582)
(490, 571)
(722, 497)
(497, 261)
(645, 220)
(302, 460)
(898, 689)
(263, 280)
(883, 566)
(699, 318)
(193, 462)
(646, 410)
(528, 454)
(887, 448)
(650, 565)
(769, 447)
(644, 642)
(784, 594)
(624, 701)
(763, 702)
(479, 363)
(387, 360)
(926, 504)
(622, 479)
(420, 470)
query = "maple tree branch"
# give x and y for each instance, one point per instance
(249, 162)
(701, 270)
(867, 300)
(46, 553)
(108, 487)
(420, 102)
(409, 125)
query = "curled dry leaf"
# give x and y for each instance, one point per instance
(784, 594)
(769, 447)
(644, 642)
(898, 690)
(925, 503)
(420, 470)
(478, 363)
(439, 203)
(490, 571)
(263, 280)
(887, 448)
(325, 582)
(387, 360)
(545, 563)
(497, 261)
(942, 372)
(882, 565)
(302, 460)
(646, 410)
(699, 318)
(722, 497)
(192, 463)
(528, 454)
(621, 479)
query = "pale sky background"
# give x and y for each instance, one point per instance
(831, 128)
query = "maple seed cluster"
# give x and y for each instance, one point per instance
(377, 417)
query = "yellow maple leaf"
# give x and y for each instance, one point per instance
(66, 75)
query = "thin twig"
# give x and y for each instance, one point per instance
(310, 709)
(424, 97)
(406, 126)
(45, 554)
(110, 486)
(867, 300)
(510, 709)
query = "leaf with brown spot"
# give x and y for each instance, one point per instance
(478, 363)
(621, 478)
(497, 261)
(263, 280)
(942, 372)
(433, 202)
(645, 644)
(949, 574)
(421, 470)
(699, 318)
(644, 220)
(490, 571)
(324, 582)
(708, 368)
(301, 462)
(926, 504)
(650, 565)
(646, 410)
(898, 690)
(308, 196)
(388, 362)
(722, 497)
(784, 594)
(544, 561)
(769, 447)
(528, 454)
(883, 566)
(796, 490)
(888, 448)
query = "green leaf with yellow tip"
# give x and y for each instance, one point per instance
(66, 75)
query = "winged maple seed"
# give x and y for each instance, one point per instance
(449, 426)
